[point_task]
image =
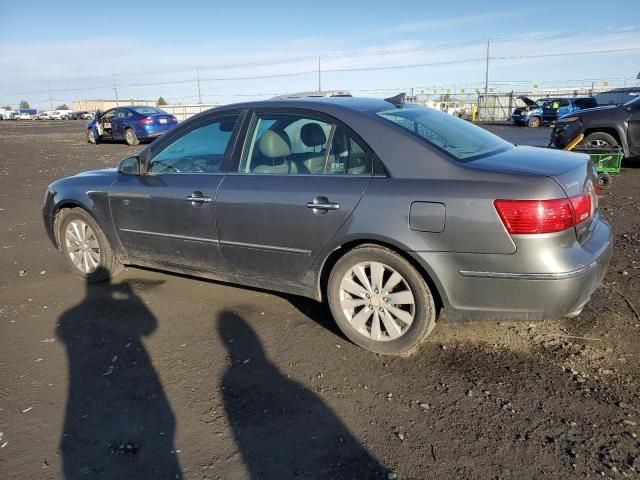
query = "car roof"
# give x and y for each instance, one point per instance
(361, 104)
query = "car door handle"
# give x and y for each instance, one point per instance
(323, 206)
(198, 197)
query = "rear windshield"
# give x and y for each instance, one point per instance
(459, 138)
(147, 110)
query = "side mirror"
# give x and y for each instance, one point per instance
(129, 166)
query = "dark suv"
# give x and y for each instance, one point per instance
(608, 126)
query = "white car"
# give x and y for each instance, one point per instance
(60, 115)
(25, 116)
(7, 114)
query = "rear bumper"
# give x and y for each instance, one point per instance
(557, 287)
(153, 131)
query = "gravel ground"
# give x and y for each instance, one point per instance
(162, 376)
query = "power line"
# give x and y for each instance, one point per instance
(376, 53)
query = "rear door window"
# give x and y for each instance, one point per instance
(293, 144)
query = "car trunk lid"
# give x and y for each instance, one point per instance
(162, 119)
(574, 172)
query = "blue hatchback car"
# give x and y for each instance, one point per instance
(131, 124)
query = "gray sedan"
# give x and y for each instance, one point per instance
(390, 212)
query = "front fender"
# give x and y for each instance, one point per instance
(72, 193)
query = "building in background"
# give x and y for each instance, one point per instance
(102, 105)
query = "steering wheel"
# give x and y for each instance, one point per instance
(166, 165)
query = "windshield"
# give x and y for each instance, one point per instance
(148, 110)
(459, 138)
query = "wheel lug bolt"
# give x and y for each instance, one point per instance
(368, 296)
(381, 309)
(386, 299)
(376, 291)
(370, 307)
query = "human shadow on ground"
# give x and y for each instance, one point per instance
(118, 422)
(283, 429)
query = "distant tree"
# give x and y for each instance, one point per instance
(7, 107)
(63, 107)
(162, 101)
(24, 105)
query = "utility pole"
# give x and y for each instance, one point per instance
(49, 89)
(198, 78)
(319, 76)
(115, 90)
(486, 84)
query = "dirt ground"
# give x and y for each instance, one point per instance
(160, 376)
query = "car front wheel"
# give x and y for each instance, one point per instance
(85, 246)
(379, 300)
(91, 136)
(534, 122)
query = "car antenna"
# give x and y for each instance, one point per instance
(397, 100)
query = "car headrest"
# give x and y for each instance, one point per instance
(312, 135)
(274, 144)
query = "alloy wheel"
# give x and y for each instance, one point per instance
(598, 143)
(377, 301)
(82, 246)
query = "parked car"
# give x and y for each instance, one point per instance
(7, 114)
(24, 116)
(529, 115)
(43, 116)
(550, 110)
(131, 124)
(554, 109)
(617, 96)
(79, 115)
(607, 126)
(60, 115)
(389, 211)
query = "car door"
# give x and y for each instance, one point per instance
(168, 214)
(117, 123)
(300, 177)
(633, 129)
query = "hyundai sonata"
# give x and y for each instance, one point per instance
(390, 212)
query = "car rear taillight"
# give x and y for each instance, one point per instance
(543, 216)
(146, 120)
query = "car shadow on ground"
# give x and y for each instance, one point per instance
(118, 422)
(283, 429)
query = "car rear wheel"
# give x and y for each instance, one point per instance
(91, 136)
(534, 122)
(379, 301)
(85, 246)
(599, 139)
(130, 137)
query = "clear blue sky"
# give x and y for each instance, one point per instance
(153, 48)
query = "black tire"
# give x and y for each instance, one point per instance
(534, 122)
(425, 314)
(91, 137)
(599, 139)
(108, 266)
(604, 180)
(130, 137)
